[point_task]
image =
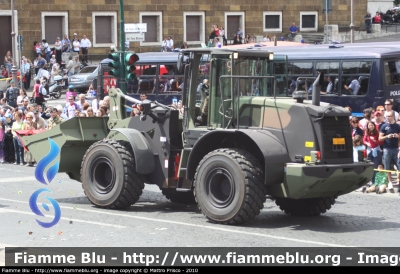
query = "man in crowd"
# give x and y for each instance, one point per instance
(170, 43)
(81, 100)
(368, 19)
(39, 120)
(389, 135)
(353, 87)
(70, 67)
(85, 44)
(76, 65)
(70, 107)
(240, 33)
(25, 104)
(389, 107)
(293, 31)
(11, 95)
(66, 44)
(54, 120)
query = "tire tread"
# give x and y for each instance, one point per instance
(133, 182)
(255, 195)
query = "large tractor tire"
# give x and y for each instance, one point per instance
(179, 197)
(108, 175)
(229, 186)
(305, 207)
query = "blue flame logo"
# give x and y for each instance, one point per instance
(45, 161)
(50, 174)
(35, 209)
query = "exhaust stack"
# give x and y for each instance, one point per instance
(316, 91)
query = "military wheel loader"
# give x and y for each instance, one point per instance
(251, 144)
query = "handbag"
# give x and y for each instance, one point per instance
(24, 79)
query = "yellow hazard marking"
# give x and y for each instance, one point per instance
(309, 144)
(307, 158)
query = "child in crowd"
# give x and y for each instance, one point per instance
(381, 182)
(356, 130)
(358, 146)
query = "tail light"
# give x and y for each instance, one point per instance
(365, 154)
(315, 156)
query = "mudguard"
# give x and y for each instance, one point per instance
(143, 153)
(262, 144)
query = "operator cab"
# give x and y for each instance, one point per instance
(226, 84)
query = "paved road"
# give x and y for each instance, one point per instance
(355, 220)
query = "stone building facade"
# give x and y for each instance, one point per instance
(183, 20)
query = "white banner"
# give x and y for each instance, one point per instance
(137, 27)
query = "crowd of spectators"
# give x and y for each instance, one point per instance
(378, 134)
(18, 113)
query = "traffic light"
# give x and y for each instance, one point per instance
(115, 65)
(130, 59)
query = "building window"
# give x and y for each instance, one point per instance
(153, 36)
(234, 21)
(54, 24)
(193, 27)
(308, 21)
(104, 25)
(272, 21)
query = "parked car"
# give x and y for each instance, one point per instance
(82, 80)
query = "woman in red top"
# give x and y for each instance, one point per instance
(39, 99)
(371, 140)
(377, 18)
(216, 29)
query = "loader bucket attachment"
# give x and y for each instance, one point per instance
(74, 137)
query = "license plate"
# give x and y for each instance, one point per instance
(339, 141)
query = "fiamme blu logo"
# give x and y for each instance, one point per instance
(46, 170)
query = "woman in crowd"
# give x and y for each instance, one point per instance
(89, 112)
(58, 46)
(76, 45)
(356, 130)
(22, 95)
(37, 48)
(371, 141)
(222, 34)
(4, 72)
(101, 113)
(19, 149)
(185, 45)
(8, 62)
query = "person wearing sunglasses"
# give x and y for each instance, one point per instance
(389, 107)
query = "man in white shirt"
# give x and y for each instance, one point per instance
(39, 120)
(85, 44)
(170, 43)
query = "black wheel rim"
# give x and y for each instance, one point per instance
(102, 175)
(220, 187)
